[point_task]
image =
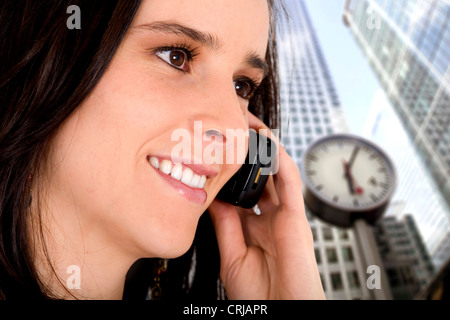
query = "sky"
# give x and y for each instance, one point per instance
(354, 79)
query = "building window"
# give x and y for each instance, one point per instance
(318, 256)
(343, 234)
(314, 233)
(347, 254)
(327, 234)
(336, 281)
(331, 255)
(353, 280)
(393, 277)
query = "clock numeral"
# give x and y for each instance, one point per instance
(356, 202)
(311, 172)
(319, 188)
(373, 181)
(382, 170)
(311, 157)
(384, 185)
(373, 197)
(335, 198)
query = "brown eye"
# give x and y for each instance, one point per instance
(175, 57)
(244, 88)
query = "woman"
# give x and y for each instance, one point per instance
(87, 120)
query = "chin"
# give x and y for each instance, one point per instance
(173, 244)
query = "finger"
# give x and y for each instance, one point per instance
(261, 127)
(288, 182)
(229, 233)
(269, 198)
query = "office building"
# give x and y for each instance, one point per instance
(311, 109)
(407, 43)
(417, 191)
(405, 258)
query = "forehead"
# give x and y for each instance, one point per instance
(234, 23)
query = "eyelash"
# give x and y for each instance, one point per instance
(253, 86)
(191, 53)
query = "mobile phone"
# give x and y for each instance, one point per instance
(245, 188)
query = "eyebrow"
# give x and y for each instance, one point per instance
(203, 38)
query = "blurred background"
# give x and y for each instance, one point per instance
(378, 69)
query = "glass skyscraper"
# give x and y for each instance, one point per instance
(407, 43)
(311, 109)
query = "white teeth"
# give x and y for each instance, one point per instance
(154, 162)
(165, 166)
(177, 171)
(195, 182)
(202, 182)
(186, 176)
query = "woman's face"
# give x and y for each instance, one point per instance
(182, 67)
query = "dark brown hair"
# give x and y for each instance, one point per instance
(46, 71)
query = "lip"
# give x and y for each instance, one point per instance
(194, 195)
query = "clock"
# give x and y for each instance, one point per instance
(346, 178)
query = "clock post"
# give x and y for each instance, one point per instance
(365, 241)
(349, 182)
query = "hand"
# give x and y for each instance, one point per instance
(270, 256)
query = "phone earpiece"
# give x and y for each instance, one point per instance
(244, 189)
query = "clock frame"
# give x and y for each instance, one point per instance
(332, 211)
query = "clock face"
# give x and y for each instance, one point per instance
(348, 173)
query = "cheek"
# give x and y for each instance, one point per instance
(98, 165)
(113, 195)
(141, 98)
(86, 154)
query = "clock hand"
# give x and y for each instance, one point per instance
(353, 156)
(348, 177)
(353, 185)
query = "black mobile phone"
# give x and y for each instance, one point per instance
(245, 188)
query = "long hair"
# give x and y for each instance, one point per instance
(46, 71)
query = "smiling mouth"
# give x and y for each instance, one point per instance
(180, 173)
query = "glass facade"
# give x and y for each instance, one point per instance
(310, 109)
(409, 48)
(407, 43)
(408, 265)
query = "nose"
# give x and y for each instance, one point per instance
(223, 119)
(216, 134)
(221, 111)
